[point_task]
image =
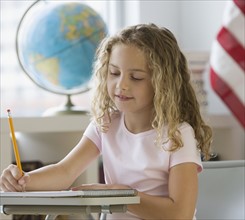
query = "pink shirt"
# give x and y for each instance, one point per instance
(134, 160)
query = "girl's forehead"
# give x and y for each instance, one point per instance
(127, 51)
(130, 49)
(128, 57)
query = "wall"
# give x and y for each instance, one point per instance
(199, 23)
(194, 23)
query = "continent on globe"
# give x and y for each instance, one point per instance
(50, 70)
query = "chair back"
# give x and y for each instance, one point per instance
(221, 190)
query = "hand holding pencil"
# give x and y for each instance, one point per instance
(16, 151)
(13, 179)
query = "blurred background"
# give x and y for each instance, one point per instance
(194, 23)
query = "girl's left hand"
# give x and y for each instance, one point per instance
(100, 186)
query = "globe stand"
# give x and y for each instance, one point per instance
(67, 109)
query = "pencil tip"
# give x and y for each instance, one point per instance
(8, 110)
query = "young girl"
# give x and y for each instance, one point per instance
(147, 126)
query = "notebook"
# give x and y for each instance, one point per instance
(69, 193)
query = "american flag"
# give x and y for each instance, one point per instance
(227, 60)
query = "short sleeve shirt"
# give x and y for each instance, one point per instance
(134, 159)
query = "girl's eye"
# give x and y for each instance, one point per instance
(136, 78)
(114, 73)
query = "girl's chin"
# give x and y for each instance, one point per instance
(122, 108)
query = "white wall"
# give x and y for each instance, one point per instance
(163, 13)
(199, 23)
(194, 23)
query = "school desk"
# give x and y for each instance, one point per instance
(54, 206)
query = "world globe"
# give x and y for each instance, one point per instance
(56, 44)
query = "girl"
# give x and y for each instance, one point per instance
(147, 126)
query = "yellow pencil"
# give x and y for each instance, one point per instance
(16, 151)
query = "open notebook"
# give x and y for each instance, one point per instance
(81, 193)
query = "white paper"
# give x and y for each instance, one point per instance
(69, 193)
(43, 194)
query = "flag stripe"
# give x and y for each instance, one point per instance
(234, 21)
(241, 5)
(233, 48)
(227, 95)
(228, 70)
(227, 60)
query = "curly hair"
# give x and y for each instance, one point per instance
(174, 100)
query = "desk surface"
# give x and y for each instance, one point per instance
(65, 205)
(68, 197)
(69, 201)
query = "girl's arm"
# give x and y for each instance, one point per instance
(58, 176)
(181, 202)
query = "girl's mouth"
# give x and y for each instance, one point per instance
(123, 97)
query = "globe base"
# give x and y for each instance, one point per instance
(64, 110)
(67, 109)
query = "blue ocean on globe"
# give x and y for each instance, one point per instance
(56, 44)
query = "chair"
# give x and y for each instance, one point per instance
(221, 190)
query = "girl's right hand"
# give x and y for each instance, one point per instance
(12, 179)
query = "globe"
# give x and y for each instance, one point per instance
(56, 43)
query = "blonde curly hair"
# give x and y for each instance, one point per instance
(174, 101)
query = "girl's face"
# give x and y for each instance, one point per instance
(129, 81)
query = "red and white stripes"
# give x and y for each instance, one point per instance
(227, 61)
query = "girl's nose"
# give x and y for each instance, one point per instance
(122, 83)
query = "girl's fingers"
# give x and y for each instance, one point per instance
(8, 183)
(24, 180)
(9, 179)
